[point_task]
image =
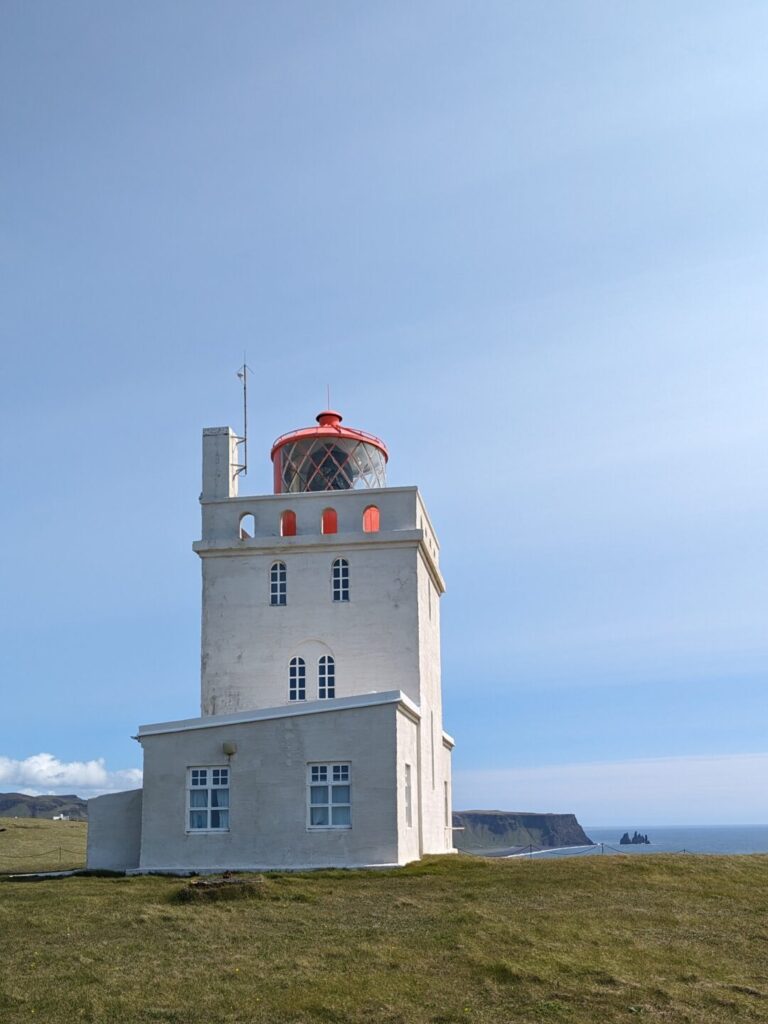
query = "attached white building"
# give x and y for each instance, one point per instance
(320, 741)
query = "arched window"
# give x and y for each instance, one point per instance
(371, 520)
(277, 583)
(340, 579)
(297, 679)
(247, 526)
(326, 677)
(288, 523)
(329, 522)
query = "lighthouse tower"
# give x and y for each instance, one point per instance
(320, 739)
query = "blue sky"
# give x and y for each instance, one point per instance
(526, 244)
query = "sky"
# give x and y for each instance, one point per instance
(525, 244)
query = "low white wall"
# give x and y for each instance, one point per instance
(114, 831)
(268, 793)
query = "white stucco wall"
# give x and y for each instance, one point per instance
(268, 792)
(247, 643)
(114, 831)
(435, 764)
(408, 754)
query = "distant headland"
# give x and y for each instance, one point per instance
(499, 832)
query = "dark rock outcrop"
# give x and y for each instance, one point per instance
(504, 830)
(638, 839)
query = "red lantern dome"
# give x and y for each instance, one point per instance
(328, 457)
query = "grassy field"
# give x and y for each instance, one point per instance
(39, 844)
(584, 939)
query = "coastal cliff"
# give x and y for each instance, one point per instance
(503, 830)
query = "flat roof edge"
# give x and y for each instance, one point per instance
(364, 700)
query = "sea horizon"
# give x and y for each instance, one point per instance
(711, 839)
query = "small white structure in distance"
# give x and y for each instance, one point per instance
(320, 741)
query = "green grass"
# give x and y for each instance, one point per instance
(583, 939)
(39, 844)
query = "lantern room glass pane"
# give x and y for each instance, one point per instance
(331, 464)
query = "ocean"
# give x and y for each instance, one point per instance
(672, 839)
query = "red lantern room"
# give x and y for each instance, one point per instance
(328, 457)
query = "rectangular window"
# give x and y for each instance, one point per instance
(297, 679)
(408, 797)
(278, 575)
(208, 800)
(329, 796)
(432, 744)
(340, 580)
(326, 677)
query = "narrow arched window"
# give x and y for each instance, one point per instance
(326, 677)
(297, 679)
(247, 526)
(329, 522)
(278, 583)
(340, 579)
(371, 520)
(288, 523)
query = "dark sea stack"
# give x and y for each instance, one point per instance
(501, 830)
(638, 839)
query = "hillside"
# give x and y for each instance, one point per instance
(505, 830)
(21, 805)
(582, 940)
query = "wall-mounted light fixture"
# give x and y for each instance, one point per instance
(229, 748)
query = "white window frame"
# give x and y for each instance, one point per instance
(326, 677)
(297, 679)
(217, 777)
(408, 797)
(278, 585)
(331, 776)
(340, 581)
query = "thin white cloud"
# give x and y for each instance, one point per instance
(44, 773)
(696, 790)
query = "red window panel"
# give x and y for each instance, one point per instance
(288, 524)
(329, 522)
(371, 520)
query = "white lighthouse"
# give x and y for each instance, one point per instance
(320, 740)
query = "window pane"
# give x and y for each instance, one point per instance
(318, 795)
(198, 819)
(198, 798)
(318, 815)
(219, 819)
(341, 794)
(341, 816)
(219, 798)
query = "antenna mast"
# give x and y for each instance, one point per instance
(242, 374)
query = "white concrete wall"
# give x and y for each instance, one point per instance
(114, 831)
(408, 753)
(400, 508)
(448, 803)
(268, 793)
(435, 764)
(220, 476)
(247, 644)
